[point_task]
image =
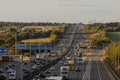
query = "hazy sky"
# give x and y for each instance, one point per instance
(59, 10)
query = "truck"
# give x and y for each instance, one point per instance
(71, 65)
(64, 72)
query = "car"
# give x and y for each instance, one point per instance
(9, 70)
(78, 69)
(80, 60)
(47, 72)
(13, 72)
(12, 76)
(54, 74)
(38, 63)
(25, 63)
(42, 75)
(2, 73)
(23, 68)
(10, 66)
(65, 63)
(34, 67)
(68, 58)
(1, 70)
(27, 70)
(52, 68)
(36, 78)
(60, 62)
(6, 68)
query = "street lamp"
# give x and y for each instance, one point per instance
(21, 56)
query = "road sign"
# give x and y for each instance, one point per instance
(34, 47)
(21, 46)
(3, 50)
(40, 47)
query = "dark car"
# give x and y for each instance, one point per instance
(25, 63)
(36, 78)
(78, 69)
(47, 72)
(6, 68)
(42, 75)
(27, 71)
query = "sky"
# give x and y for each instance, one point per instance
(70, 11)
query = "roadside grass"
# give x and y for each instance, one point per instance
(112, 68)
(115, 36)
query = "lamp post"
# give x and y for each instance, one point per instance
(21, 56)
(30, 48)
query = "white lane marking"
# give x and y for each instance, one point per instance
(86, 75)
(98, 69)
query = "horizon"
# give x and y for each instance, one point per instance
(60, 11)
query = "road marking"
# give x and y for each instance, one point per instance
(86, 75)
(98, 69)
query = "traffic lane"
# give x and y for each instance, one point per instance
(62, 62)
(94, 70)
(58, 66)
(83, 68)
(8, 71)
(75, 75)
(104, 75)
(98, 70)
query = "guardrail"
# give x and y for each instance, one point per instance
(111, 70)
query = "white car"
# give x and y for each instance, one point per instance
(68, 58)
(34, 67)
(2, 73)
(52, 68)
(12, 76)
(36, 78)
(9, 70)
(60, 62)
(13, 72)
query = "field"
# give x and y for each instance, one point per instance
(44, 28)
(115, 36)
(37, 27)
(44, 40)
(41, 40)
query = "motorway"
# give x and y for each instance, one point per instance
(24, 69)
(93, 67)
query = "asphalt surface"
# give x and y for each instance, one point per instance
(92, 69)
